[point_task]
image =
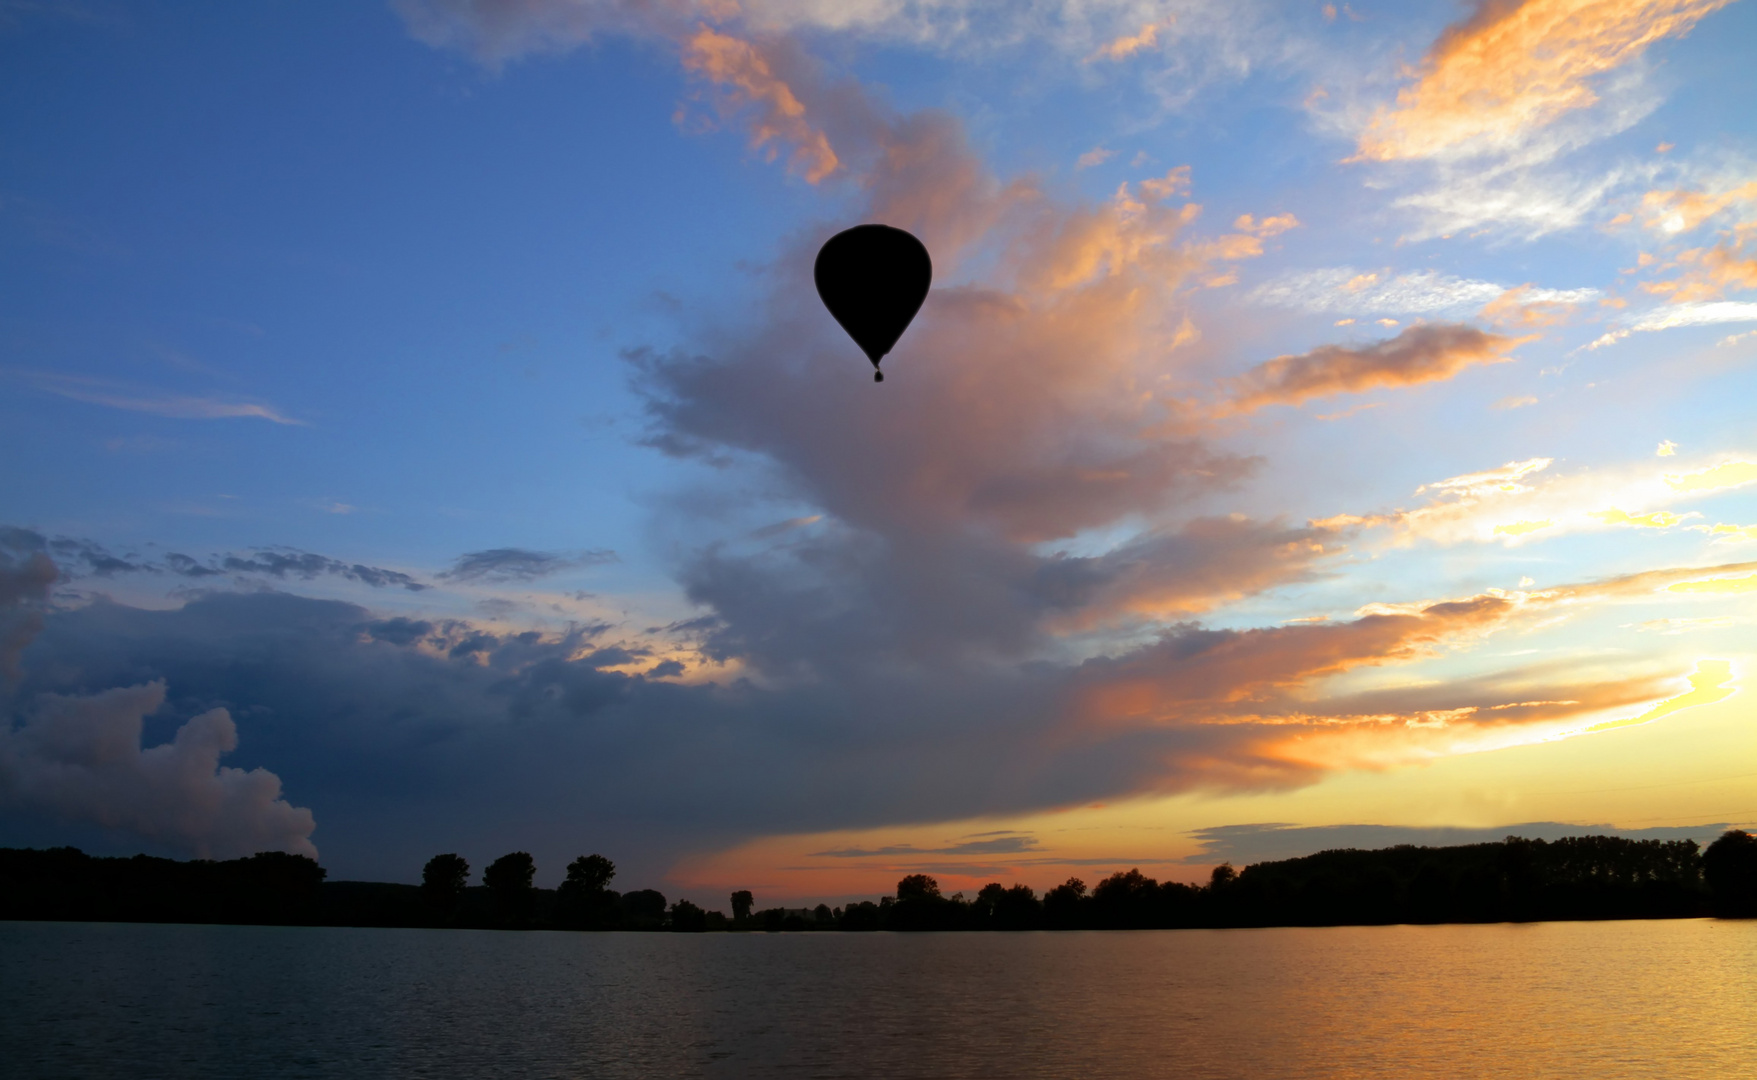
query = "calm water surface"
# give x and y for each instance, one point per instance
(1600, 1000)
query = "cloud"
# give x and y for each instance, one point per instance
(1684, 314)
(1677, 211)
(80, 759)
(1707, 272)
(1653, 519)
(1420, 354)
(26, 572)
(1526, 307)
(497, 32)
(79, 558)
(1345, 289)
(400, 630)
(521, 564)
(173, 406)
(744, 72)
(284, 563)
(994, 845)
(1521, 500)
(1127, 45)
(1489, 82)
(1726, 474)
(408, 738)
(1098, 155)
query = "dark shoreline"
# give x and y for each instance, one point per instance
(1588, 878)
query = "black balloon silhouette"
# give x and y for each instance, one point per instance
(873, 279)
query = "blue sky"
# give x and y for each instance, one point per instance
(1389, 360)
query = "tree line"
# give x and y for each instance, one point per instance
(1582, 877)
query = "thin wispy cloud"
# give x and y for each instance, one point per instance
(157, 403)
(1349, 290)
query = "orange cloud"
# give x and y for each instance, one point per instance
(1707, 273)
(1208, 675)
(1175, 182)
(1128, 45)
(1517, 307)
(1673, 212)
(1420, 354)
(746, 77)
(1513, 67)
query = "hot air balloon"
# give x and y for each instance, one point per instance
(873, 279)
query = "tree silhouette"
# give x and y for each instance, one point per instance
(742, 902)
(443, 880)
(1730, 865)
(1063, 905)
(688, 918)
(509, 880)
(584, 899)
(917, 887)
(643, 909)
(590, 873)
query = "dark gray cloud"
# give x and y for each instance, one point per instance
(285, 563)
(996, 845)
(399, 631)
(78, 558)
(1243, 844)
(493, 742)
(521, 564)
(26, 573)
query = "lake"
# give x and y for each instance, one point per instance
(1671, 999)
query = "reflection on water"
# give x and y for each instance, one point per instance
(1601, 1000)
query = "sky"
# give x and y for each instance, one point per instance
(1330, 425)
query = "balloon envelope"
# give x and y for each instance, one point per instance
(873, 278)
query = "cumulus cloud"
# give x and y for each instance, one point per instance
(80, 759)
(1420, 354)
